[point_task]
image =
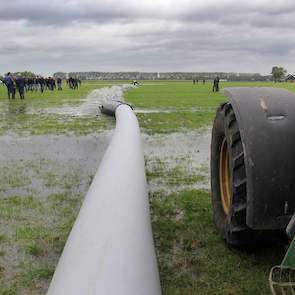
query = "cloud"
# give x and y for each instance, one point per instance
(158, 35)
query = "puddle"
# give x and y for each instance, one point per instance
(169, 110)
(11, 108)
(90, 105)
(44, 165)
(188, 151)
(151, 111)
(16, 109)
(151, 84)
(104, 84)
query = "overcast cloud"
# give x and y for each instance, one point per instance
(146, 35)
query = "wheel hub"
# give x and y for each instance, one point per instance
(225, 177)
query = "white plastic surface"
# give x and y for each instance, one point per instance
(110, 250)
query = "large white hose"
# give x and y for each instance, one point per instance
(110, 250)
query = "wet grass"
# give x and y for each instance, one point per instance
(158, 170)
(192, 106)
(29, 116)
(175, 121)
(35, 224)
(34, 232)
(36, 99)
(192, 257)
(42, 124)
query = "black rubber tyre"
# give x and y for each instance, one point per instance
(230, 219)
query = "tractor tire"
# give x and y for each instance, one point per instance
(252, 165)
(228, 180)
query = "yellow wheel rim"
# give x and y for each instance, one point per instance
(225, 177)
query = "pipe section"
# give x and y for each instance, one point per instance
(110, 249)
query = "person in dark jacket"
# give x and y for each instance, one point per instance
(52, 84)
(42, 84)
(216, 84)
(20, 86)
(59, 83)
(8, 81)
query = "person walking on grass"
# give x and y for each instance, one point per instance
(20, 86)
(8, 81)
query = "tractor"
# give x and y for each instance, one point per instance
(253, 173)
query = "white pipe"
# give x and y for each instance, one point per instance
(110, 250)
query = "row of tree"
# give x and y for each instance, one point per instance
(278, 73)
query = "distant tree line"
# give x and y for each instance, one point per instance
(278, 74)
(164, 76)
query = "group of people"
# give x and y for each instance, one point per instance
(40, 83)
(74, 83)
(12, 83)
(21, 85)
(215, 84)
(196, 81)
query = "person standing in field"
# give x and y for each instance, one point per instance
(70, 83)
(75, 84)
(59, 82)
(8, 81)
(20, 86)
(42, 83)
(52, 84)
(216, 84)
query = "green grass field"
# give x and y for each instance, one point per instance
(192, 257)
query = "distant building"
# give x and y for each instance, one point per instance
(290, 78)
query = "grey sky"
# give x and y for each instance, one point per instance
(146, 35)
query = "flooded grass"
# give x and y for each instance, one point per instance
(177, 160)
(50, 148)
(54, 112)
(34, 232)
(43, 180)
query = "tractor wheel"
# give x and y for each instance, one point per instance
(228, 179)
